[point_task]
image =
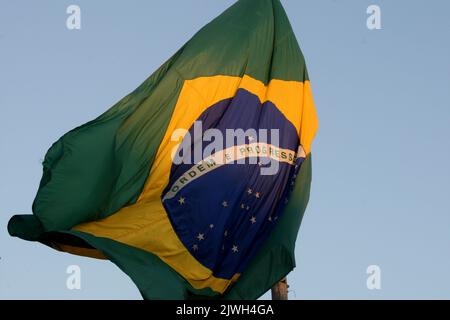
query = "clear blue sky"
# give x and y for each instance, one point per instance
(381, 159)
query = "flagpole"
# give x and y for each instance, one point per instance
(280, 290)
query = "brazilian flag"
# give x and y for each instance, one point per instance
(111, 188)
